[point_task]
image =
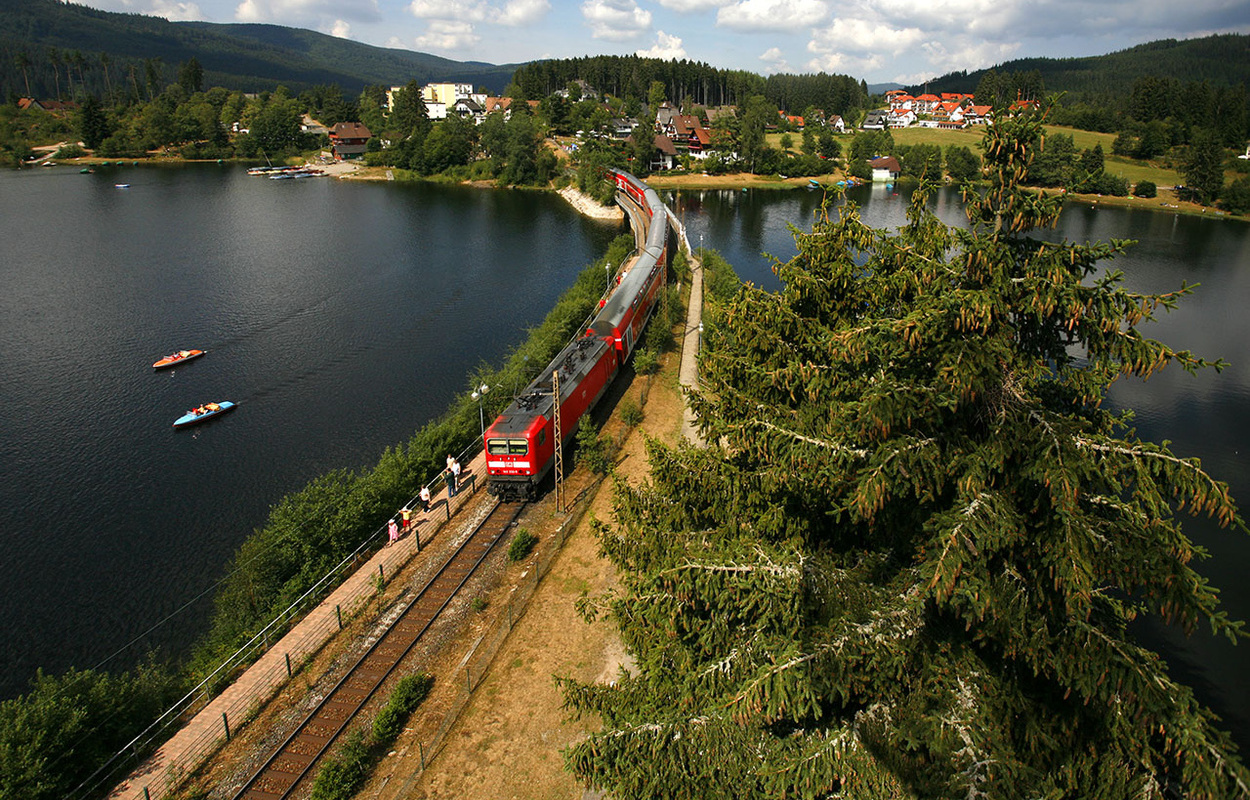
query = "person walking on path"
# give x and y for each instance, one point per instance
(392, 531)
(450, 474)
(425, 498)
(455, 472)
(405, 518)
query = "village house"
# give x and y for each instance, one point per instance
(885, 169)
(837, 124)
(876, 121)
(348, 140)
(466, 108)
(901, 118)
(51, 106)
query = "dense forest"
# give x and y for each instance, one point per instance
(47, 46)
(686, 83)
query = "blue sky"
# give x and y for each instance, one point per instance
(904, 41)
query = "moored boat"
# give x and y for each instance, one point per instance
(177, 358)
(203, 412)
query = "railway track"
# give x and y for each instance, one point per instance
(293, 760)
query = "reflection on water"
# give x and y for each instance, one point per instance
(1205, 415)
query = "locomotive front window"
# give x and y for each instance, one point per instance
(497, 447)
(518, 447)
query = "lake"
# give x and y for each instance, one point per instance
(1205, 415)
(340, 316)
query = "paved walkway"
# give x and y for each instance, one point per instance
(692, 339)
(688, 372)
(191, 746)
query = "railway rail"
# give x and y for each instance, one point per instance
(283, 771)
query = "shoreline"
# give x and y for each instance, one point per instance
(1165, 202)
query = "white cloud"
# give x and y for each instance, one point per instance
(960, 53)
(307, 12)
(448, 36)
(177, 12)
(666, 48)
(774, 61)
(450, 10)
(863, 37)
(772, 15)
(693, 6)
(615, 20)
(517, 13)
(341, 29)
(844, 64)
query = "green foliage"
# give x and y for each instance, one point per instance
(1236, 198)
(720, 282)
(1145, 189)
(962, 164)
(58, 733)
(631, 413)
(921, 161)
(522, 543)
(1203, 166)
(592, 450)
(409, 693)
(908, 563)
(345, 771)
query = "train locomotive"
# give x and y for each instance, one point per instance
(520, 443)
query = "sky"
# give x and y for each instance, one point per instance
(880, 41)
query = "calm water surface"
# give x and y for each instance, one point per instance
(341, 317)
(1205, 416)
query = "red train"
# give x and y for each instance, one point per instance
(520, 444)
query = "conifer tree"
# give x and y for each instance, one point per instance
(909, 566)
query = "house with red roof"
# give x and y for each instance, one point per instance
(348, 140)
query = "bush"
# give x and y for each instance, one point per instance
(409, 693)
(631, 412)
(70, 151)
(1236, 196)
(591, 450)
(1145, 189)
(344, 772)
(522, 544)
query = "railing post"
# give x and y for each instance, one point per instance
(225, 723)
(338, 612)
(381, 574)
(289, 674)
(146, 794)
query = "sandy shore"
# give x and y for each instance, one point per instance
(588, 206)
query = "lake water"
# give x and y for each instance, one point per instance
(344, 316)
(340, 316)
(1205, 416)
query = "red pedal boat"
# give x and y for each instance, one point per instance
(177, 358)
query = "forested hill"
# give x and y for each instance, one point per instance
(62, 43)
(1221, 60)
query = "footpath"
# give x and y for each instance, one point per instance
(212, 726)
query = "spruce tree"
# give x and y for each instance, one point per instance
(909, 564)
